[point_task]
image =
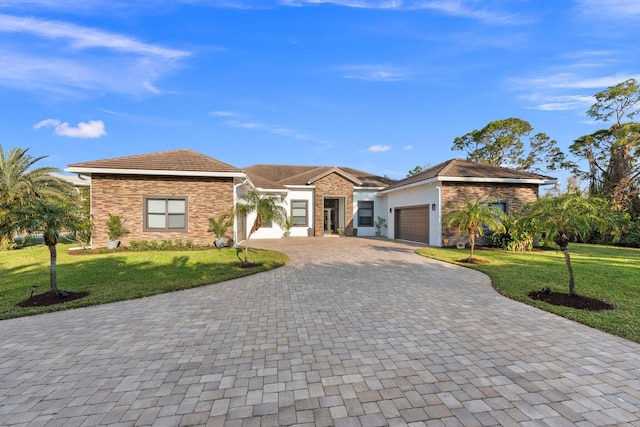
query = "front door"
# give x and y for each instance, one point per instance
(331, 212)
(329, 220)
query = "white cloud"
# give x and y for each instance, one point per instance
(564, 103)
(270, 128)
(90, 129)
(80, 59)
(378, 148)
(457, 8)
(378, 73)
(408, 147)
(620, 8)
(224, 114)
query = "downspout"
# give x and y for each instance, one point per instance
(235, 201)
(439, 211)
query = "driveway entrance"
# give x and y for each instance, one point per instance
(352, 332)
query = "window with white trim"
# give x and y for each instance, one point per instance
(299, 210)
(365, 214)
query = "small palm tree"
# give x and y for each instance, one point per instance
(266, 208)
(567, 218)
(471, 215)
(49, 218)
(219, 226)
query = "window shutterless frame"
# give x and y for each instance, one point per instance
(165, 213)
(365, 214)
(299, 212)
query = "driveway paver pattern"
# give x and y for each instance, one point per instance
(353, 332)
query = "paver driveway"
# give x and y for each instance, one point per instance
(353, 332)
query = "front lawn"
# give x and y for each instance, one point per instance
(118, 276)
(607, 273)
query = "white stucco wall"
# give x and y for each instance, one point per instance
(379, 209)
(423, 194)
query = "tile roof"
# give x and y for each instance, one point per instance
(458, 168)
(182, 160)
(303, 175)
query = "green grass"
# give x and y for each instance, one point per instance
(607, 273)
(118, 276)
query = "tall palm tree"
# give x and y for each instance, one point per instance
(567, 218)
(265, 207)
(472, 216)
(21, 182)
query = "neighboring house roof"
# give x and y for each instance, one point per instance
(175, 162)
(307, 175)
(458, 170)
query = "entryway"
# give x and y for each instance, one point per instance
(331, 221)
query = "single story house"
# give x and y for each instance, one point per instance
(171, 194)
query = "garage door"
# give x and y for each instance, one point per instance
(412, 223)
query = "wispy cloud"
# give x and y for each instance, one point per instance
(562, 103)
(224, 114)
(376, 73)
(378, 148)
(407, 147)
(77, 59)
(90, 129)
(573, 81)
(458, 8)
(625, 9)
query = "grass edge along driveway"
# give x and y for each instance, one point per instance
(118, 276)
(607, 273)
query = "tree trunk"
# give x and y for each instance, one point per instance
(472, 236)
(53, 280)
(567, 260)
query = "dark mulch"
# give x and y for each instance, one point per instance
(249, 265)
(475, 261)
(49, 298)
(575, 301)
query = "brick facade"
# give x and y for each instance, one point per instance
(123, 195)
(333, 185)
(515, 196)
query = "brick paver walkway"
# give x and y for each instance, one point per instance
(353, 332)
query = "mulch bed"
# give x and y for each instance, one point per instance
(249, 265)
(49, 298)
(575, 301)
(474, 261)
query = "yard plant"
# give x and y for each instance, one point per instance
(607, 273)
(117, 276)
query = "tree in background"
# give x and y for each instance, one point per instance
(21, 184)
(471, 216)
(266, 208)
(500, 143)
(613, 155)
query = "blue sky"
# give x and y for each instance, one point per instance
(378, 85)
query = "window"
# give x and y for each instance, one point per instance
(501, 206)
(299, 210)
(267, 224)
(165, 214)
(365, 214)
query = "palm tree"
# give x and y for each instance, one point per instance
(265, 207)
(471, 216)
(565, 218)
(49, 218)
(20, 183)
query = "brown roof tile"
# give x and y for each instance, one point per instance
(458, 168)
(302, 175)
(174, 160)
